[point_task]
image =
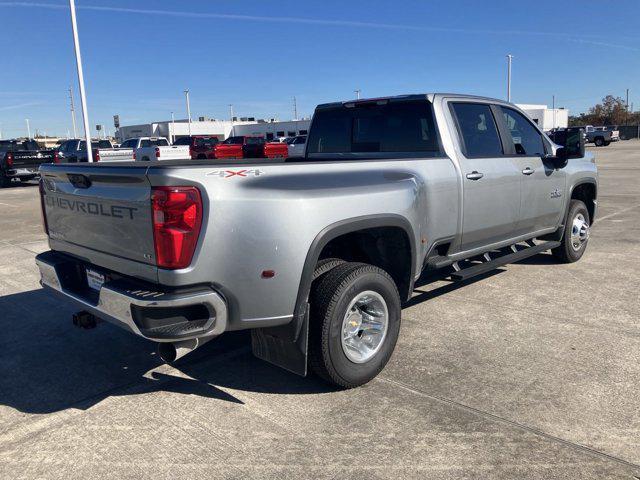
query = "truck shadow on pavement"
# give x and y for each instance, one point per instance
(47, 365)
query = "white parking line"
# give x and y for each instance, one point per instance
(618, 212)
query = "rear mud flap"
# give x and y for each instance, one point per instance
(284, 346)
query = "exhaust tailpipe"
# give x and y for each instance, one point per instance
(171, 351)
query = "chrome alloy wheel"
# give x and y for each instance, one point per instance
(364, 326)
(579, 232)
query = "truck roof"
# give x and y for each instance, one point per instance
(420, 96)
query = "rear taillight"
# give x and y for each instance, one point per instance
(134, 155)
(157, 152)
(177, 218)
(191, 151)
(45, 225)
(56, 157)
(9, 160)
(96, 155)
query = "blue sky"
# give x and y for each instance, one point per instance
(139, 56)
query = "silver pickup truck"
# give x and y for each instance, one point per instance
(316, 254)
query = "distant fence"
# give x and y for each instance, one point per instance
(628, 132)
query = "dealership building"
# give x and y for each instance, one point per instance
(222, 129)
(547, 118)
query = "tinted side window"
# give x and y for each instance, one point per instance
(160, 142)
(478, 130)
(395, 127)
(526, 139)
(145, 143)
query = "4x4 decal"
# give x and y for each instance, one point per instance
(253, 172)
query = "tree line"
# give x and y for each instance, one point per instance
(611, 111)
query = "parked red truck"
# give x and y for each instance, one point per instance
(249, 147)
(201, 147)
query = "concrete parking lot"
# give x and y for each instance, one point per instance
(531, 372)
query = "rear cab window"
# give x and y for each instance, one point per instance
(378, 128)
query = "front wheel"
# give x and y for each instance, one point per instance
(599, 141)
(355, 322)
(576, 233)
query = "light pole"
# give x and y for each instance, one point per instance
(357, 91)
(83, 97)
(186, 94)
(28, 128)
(295, 109)
(73, 113)
(553, 107)
(509, 59)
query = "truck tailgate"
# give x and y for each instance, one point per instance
(32, 159)
(99, 208)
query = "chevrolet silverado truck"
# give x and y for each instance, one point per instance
(201, 147)
(20, 160)
(316, 255)
(149, 149)
(249, 147)
(601, 136)
(75, 150)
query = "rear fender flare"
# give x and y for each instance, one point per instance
(343, 227)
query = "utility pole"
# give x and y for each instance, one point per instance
(553, 107)
(28, 128)
(357, 91)
(83, 96)
(186, 94)
(173, 128)
(231, 112)
(73, 113)
(627, 115)
(509, 59)
(295, 109)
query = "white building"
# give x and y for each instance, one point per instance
(219, 128)
(547, 118)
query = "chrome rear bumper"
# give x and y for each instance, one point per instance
(121, 303)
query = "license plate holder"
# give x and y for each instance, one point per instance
(95, 280)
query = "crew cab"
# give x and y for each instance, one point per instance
(316, 255)
(201, 147)
(20, 160)
(158, 148)
(250, 147)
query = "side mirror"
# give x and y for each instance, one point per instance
(560, 157)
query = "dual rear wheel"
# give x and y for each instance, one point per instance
(355, 321)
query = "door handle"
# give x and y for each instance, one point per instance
(475, 175)
(528, 171)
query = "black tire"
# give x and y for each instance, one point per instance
(331, 295)
(599, 141)
(5, 182)
(567, 252)
(324, 265)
